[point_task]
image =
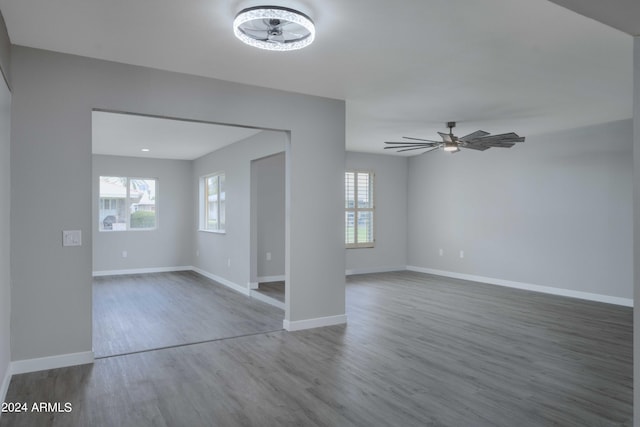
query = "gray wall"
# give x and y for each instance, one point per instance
(171, 243)
(636, 228)
(268, 187)
(53, 97)
(5, 196)
(554, 211)
(5, 234)
(216, 249)
(390, 198)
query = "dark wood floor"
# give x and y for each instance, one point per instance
(148, 311)
(418, 351)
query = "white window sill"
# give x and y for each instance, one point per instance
(213, 231)
(135, 230)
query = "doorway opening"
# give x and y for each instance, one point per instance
(268, 207)
(162, 276)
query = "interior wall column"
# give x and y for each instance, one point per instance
(636, 230)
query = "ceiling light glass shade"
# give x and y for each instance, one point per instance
(450, 146)
(274, 28)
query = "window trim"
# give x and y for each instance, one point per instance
(203, 209)
(356, 209)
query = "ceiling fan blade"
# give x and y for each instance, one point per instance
(254, 30)
(260, 35)
(420, 139)
(418, 148)
(472, 146)
(474, 135)
(412, 143)
(514, 140)
(500, 144)
(256, 25)
(279, 38)
(511, 137)
(428, 151)
(445, 137)
(395, 147)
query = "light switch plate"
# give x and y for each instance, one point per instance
(72, 238)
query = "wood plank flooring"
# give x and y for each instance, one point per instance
(147, 311)
(418, 350)
(273, 290)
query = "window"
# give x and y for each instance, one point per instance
(127, 203)
(212, 202)
(359, 209)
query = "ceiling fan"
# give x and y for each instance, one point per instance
(478, 140)
(274, 28)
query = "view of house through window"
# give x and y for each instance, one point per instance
(127, 203)
(212, 197)
(359, 209)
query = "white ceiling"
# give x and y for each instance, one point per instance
(126, 135)
(403, 67)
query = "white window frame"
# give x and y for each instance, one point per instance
(127, 203)
(204, 204)
(355, 209)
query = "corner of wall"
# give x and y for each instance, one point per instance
(4, 385)
(5, 52)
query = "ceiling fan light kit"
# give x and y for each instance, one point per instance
(478, 140)
(274, 28)
(450, 147)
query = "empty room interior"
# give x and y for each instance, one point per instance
(319, 213)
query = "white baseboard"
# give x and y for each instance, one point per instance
(51, 362)
(272, 301)
(627, 302)
(4, 387)
(228, 283)
(268, 279)
(141, 271)
(318, 322)
(352, 271)
(254, 285)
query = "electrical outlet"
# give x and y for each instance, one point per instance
(124, 254)
(268, 256)
(461, 254)
(228, 262)
(441, 252)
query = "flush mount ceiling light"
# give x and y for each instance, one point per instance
(274, 28)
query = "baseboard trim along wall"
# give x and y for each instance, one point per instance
(228, 283)
(141, 271)
(627, 302)
(51, 362)
(266, 299)
(269, 279)
(352, 271)
(318, 322)
(243, 290)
